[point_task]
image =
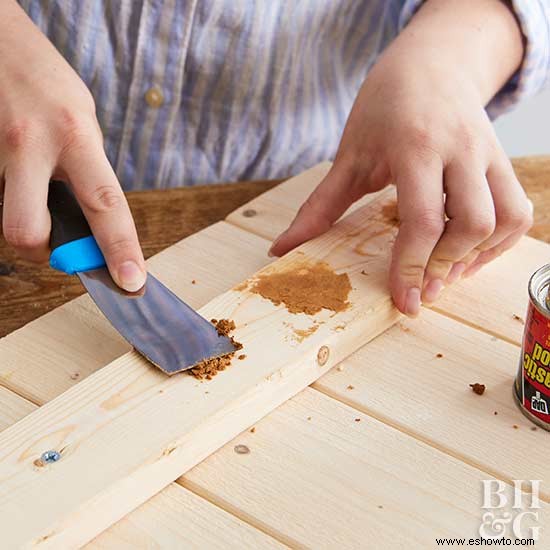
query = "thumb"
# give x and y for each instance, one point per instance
(330, 199)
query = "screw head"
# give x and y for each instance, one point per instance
(48, 457)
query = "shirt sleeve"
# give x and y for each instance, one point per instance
(534, 73)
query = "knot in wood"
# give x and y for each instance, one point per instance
(322, 355)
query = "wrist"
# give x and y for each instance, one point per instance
(479, 41)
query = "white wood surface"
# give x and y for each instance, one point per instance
(317, 477)
(199, 258)
(142, 429)
(174, 518)
(177, 518)
(400, 379)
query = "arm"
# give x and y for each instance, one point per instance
(48, 128)
(419, 121)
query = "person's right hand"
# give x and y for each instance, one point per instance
(48, 129)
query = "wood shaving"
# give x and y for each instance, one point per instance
(478, 389)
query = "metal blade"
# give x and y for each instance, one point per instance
(160, 326)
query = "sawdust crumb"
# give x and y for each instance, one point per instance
(478, 389)
(515, 426)
(75, 376)
(357, 420)
(193, 282)
(495, 413)
(305, 287)
(309, 417)
(518, 318)
(363, 272)
(340, 368)
(380, 507)
(350, 387)
(210, 367)
(439, 355)
(241, 356)
(533, 428)
(301, 334)
(252, 430)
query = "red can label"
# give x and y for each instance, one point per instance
(533, 380)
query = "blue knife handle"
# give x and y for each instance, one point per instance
(74, 248)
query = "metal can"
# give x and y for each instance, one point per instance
(532, 385)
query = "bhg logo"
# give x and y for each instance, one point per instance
(513, 513)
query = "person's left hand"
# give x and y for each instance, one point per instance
(419, 121)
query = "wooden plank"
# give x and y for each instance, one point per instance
(177, 518)
(347, 484)
(173, 518)
(271, 213)
(417, 375)
(63, 347)
(12, 408)
(143, 429)
(493, 300)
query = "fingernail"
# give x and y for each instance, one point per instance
(412, 303)
(274, 244)
(131, 277)
(432, 290)
(456, 271)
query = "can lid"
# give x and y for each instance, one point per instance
(539, 286)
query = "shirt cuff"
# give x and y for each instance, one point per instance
(534, 73)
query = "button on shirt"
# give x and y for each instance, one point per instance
(201, 91)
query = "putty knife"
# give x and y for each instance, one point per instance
(159, 325)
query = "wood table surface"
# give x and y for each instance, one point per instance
(164, 217)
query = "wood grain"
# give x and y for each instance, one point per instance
(322, 479)
(143, 429)
(416, 377)
(175, 518)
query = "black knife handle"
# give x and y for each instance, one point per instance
(68, 221)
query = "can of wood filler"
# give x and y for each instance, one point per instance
(532, 385)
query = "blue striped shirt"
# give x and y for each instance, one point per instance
(199, 91)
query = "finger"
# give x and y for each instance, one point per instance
(420, 204)
(469, 207)
(489, 255)
(514, 214)
(104, 205)
(332, 197)
(25, 217)
(514, 211)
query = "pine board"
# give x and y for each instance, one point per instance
(63, 347)
(347, 484)
(144, 429)
(177, 518)
(202, 255)
(400, 379)
(171, 519)
(491, 301)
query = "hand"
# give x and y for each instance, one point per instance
(48, 129)
(419, 121)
